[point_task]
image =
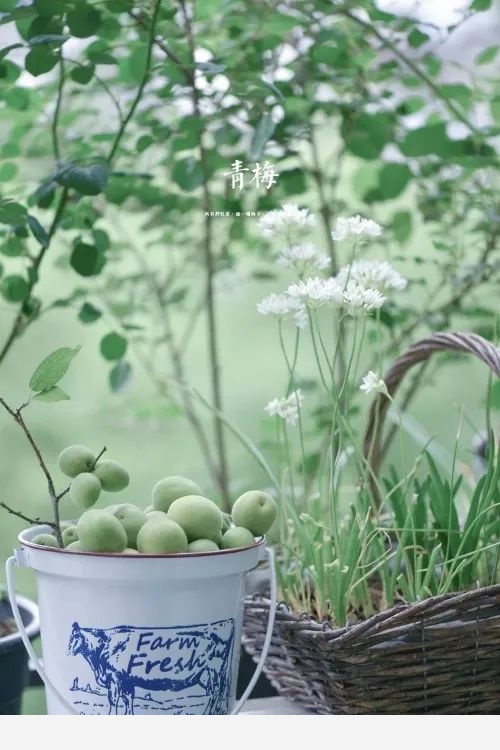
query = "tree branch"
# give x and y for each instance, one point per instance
(149, 52)
(31, 521)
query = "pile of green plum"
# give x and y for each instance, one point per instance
(180, 519)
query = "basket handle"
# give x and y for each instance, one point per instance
(469, 343)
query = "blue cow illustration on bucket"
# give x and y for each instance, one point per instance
(181, 669)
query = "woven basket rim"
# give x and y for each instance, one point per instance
(308, 626)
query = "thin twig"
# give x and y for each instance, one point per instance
(57, 110)
(31, 521)
(147, 70)
(99, 455)
(18, 418)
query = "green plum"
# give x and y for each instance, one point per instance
(161, 538)
(131, 518)
(256, 511)
(45, 540)
(75, 547)
(114, 477)
(217, 538)
(69, 535)
(66, 524)
(202, 545)
(76, 459)
(130, 551)
(101, 531)
(226, 522)
(159, 515)
(149, 509)
(199, 517)
(85, 490)
(237, 536)
(171, 488)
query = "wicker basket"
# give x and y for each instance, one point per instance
(439, 656)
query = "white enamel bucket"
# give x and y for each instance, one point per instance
(139, 634)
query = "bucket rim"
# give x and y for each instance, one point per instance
(259, 542)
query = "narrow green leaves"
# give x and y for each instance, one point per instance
(262, 134)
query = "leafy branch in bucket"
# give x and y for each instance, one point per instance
(44, 387)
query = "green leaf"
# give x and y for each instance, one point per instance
(88, 313)
(48, 39)
(38, 231)
(113, 346)
(8, 170)
(14, 288)
(5, 51)
(87, 260)
(430, 139)
(51, 395)
(481, 5)
(90, 180)
(488, 55)
(82, 74)
(367, 135)
(11, 212)
(416, 38)
(119, 376)
(261, 135)
(187, 174)
(40, 60)
(393, 179)
(402, 226)
(52, 369)
(83, 20)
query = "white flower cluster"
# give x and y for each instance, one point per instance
(284, 306)
(286, 408)
(288, 222)
(355, 226)
(316, 291)
(372, 274)
(303, 258)
(373, 383)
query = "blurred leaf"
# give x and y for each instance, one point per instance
(113, 346)
(8, 170)
(87, 260)
(40, 60)
(119, 376)
(38, 231)
(367, 134)
(416, 38)
(89, 180)
(393, 179)
(402, 226)
(261, 135)
(83, 20)
(481, 5)
(11, 212)
(82, 74)
(88, 313)
(495, 395)
(187, 174)
(53, 368)
(14, 288)
(51, 395)
(487, 55)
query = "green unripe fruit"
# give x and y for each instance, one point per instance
(237, 536)
(114, 477)
(161, 538)
(129, 551)
(149, 509)
(66, 524)
(157, 515)
(256, 511)
(100, 531)
(69, 535)
(85, 490)
(217, 539)
(131, 518)
(202, 545)
(171, 488)
(226, 522)
(75, 460)
(75, 547)
(45, 540)
(199, 517)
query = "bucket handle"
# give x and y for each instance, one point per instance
(269, 634)
(10, 566)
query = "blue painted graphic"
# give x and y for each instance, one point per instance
(142, 670)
